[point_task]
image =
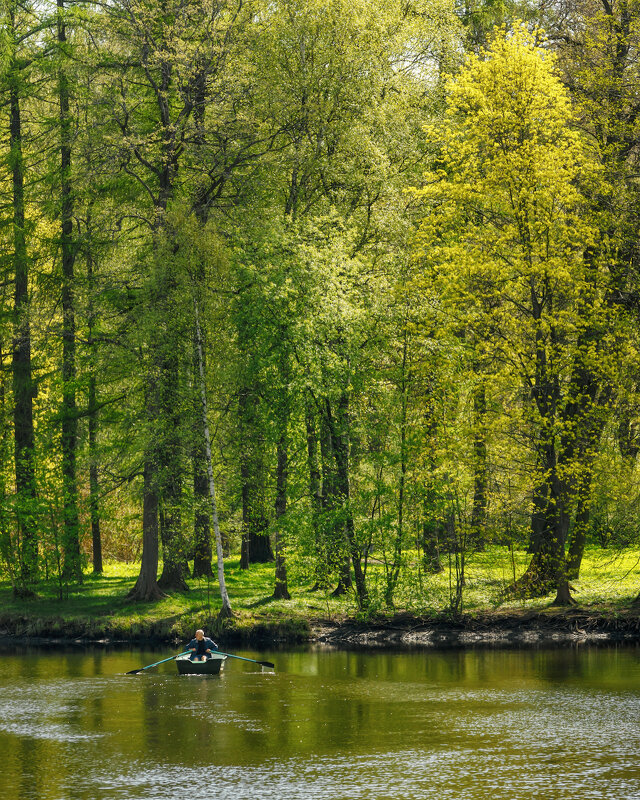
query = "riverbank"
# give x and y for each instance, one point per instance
(99, 610)
(493, 629)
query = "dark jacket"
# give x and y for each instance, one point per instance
(202, 646)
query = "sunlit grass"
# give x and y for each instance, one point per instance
(609, 579)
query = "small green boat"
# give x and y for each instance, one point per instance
(211, 666)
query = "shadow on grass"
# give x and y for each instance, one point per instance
(264, 601)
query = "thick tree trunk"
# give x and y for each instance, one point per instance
(72, 569)
(174, 556)
(582, 471)
(174, 551)
(168, 428)
(547, 570)
(7, 545)
(245, 477)
(201, 529)
(23, 389)
(431, 536)
(165, 425)
(170, 450)
(256, 544)
(174, 560)
(146, 587)
(540, 499)
(578, 538)
(541, 576)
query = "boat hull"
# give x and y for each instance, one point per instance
(211, 666)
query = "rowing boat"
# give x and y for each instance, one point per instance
(211, 666)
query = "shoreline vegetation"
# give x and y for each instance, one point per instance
(559, 626)
(98, 610)
(319, 316)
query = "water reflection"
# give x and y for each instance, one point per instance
(459, 724)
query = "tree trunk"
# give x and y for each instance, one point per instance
(174, 564)
(540, 493)
(202, 528)
(333, 523)
(94, 480)
(168, 423)
(547, 563)
(393, 571)
(315, 496)
(23, 389)
(72, 569)
(256, 544)
(479, 510)
(578, 537)
(341, 446)
(146, 587)
(174, 556)
(431, 535)
(94, 477)
(547, 570)
(432, 532)
(281, 591)
(226, 610)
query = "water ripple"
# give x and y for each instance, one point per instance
(459, 774)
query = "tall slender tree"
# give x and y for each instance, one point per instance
(69, 415)
(20, 23)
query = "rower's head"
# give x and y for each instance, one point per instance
(199, 635)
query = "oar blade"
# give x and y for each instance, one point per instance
(267, 664)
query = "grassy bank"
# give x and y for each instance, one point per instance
(97, 609)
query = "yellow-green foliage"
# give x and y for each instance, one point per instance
(507, 223)
(504, 223)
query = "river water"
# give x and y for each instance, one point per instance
(464, 724)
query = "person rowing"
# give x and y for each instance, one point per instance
(201, 646)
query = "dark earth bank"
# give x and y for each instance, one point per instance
(494, 629)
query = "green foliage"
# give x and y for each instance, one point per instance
(396, 380)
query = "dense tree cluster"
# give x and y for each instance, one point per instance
(345, 286)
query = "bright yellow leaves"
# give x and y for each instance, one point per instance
(505, 224)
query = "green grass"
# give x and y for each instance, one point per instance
(609, 580)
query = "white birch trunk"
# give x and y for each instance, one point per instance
(225, 611)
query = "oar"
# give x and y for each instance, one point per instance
(171, 658)
(252, 660)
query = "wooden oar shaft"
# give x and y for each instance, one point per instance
(252, 660)
(164, 660)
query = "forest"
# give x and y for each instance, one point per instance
(349, 289)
